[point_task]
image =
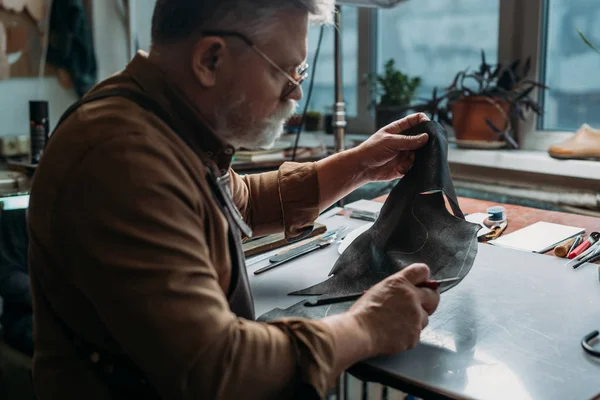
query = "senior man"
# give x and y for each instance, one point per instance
(135, 219)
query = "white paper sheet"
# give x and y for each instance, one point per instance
(537, 238)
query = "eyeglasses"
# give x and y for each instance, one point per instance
(293, 81)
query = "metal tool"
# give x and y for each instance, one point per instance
(284, 255)
(587, 346)
(433, 285)
(576, 243)
(583, 255)
(320, 243)
(591, 257)
(592, 240)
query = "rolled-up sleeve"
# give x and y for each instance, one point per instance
(142, 259)
(284, 200)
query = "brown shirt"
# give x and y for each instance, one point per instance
(131, 249)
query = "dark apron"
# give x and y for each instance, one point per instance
(122, 376)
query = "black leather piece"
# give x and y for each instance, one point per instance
(414, 226)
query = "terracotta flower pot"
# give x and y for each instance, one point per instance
(469, 115)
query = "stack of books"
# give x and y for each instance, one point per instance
(260, 155)
(367, 210)
(308, 147)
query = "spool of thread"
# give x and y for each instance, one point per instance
(39, 128)
(563, 249)
(496, 216)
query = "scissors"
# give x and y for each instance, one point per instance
(586, 344)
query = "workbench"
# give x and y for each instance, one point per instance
(510, 330)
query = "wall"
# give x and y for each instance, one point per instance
(110, 39)
(142, 14)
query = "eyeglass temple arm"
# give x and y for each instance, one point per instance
(253, 46)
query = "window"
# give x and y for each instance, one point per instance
(323, 90)
(570, 68)
(436, 39)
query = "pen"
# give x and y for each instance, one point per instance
(433, 285)
(589, 258)
(576, 243)
(594, 236)
(586, 253)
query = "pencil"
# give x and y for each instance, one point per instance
(575, 244)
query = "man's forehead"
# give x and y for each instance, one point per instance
(289, 39)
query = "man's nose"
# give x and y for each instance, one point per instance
(296, 94)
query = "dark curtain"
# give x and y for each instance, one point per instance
(71, 45)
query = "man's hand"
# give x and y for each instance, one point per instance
(395, 311)
(387, 155)
(387, 319)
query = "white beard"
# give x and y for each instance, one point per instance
(248, 132)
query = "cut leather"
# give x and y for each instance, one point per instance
(585, 144)
(414, 226)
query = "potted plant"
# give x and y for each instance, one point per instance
(312, 121)
(392, 92)
(293, 124)
(328, 120)
(483, 106)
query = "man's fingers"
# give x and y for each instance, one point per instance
(405, 123)
(429, 299)
(402, 142)
(424, 319)
(405, 162)
(416, 273)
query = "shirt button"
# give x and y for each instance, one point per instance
(94, 357)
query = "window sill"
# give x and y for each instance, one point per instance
(536, 162)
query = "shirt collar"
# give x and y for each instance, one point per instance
(155, 83)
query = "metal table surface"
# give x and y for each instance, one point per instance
(510, 330)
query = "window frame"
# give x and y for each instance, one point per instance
(363, 122)
(531, 134)
(521, 35)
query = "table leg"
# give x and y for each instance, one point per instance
(342, 387)
(365, 390)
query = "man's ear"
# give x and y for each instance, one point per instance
(207, 57)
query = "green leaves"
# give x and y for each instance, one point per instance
(393, 87)
(587, 41)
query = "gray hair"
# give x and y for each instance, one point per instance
(177, 20)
